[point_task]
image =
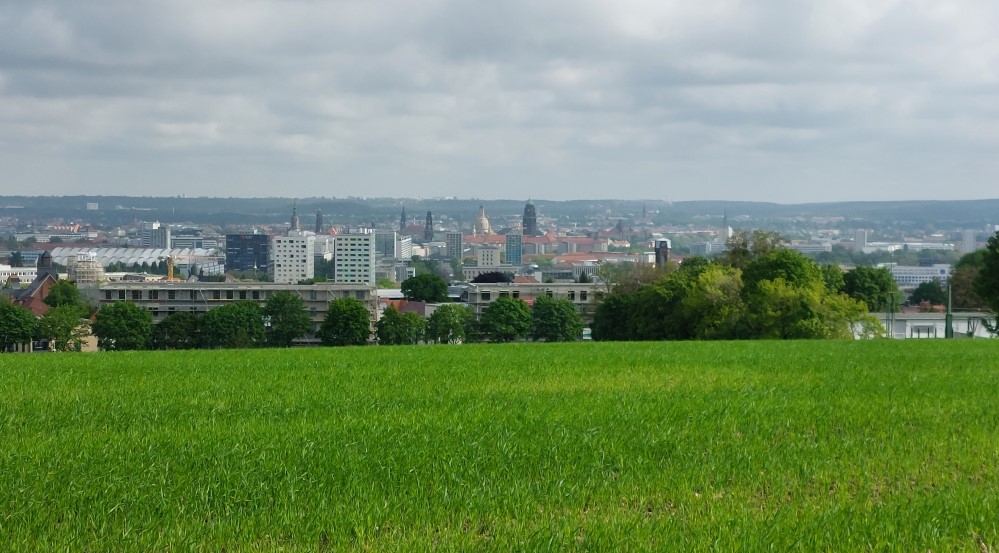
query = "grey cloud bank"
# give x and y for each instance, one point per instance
(777, 100)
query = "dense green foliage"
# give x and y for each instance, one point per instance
(122, 326)
(176, 331)
(425, 287)
(749, 446)
(555, 320)
(875, 287)
(285, 319)
(397, 329)
(64, 293)
(65, 327)
(447, 324)
(931, 292)
(962, 281)
(347, 323)
(987, 282)
(17, 325)
(505, 320)
(234, 325)
(777, 294)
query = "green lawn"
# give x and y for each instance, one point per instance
(843, 446)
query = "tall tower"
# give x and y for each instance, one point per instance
(402, 220)
(530, 225)
(428, 230)
(481, 222)
(294, 218)
(319, 221)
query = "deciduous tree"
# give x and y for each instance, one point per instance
(446, 325)
(396, 329)
(931, 292)
(234, 325)
(347, 323)
(874, 286)
(285, 319)
(555, 320)
(122, 326)
(505, 320)
(426, 287)
(17, 325)
(176, 331)
(65, 326)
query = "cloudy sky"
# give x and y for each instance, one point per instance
(777, 100)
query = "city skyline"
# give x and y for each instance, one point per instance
(773, 101)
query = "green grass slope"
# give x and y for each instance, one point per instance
(674, 446)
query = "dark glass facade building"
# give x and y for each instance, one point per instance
(246, 252)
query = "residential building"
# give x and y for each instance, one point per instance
(909, 277)
(585, 296)
(455, 248)
(292, 258)
(163, 298)
(354, 258)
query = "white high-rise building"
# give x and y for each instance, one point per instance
(404, 247)
(354, 258)
(292, 258)
(969, 241)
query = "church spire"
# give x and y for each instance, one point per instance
(295, 225)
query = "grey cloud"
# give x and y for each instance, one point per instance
(809, 100)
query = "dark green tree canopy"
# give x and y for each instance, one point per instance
(873, 286)
(17, 325)
(65, 293)
(285, 319)
(781, 263)
(447, 324)
(426, 287)
(123, 326)
(396, 329)
(555, 320)
(506, 319)
(176, 331)
(986, 284)
(493, 277)
(347, 323)
(65, 326)
(931, 292)
(235, 325)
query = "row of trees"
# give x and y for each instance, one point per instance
(283, 319)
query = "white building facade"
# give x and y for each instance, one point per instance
(292, 258)
(354, 259)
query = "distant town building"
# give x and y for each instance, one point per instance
(428, 229)
(292, 258)
(84, 268)
(247, 252)
(909, 277)
(163, 298)
(319, 221)
(481, 225)
(969, 241)
(354, 258)
(160, 238)
(530, 222)
(514, 248)
(455, 247)
(402, 220)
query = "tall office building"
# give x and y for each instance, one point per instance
(354, 258)
(455, 247)
(530, 224)
(292, 258)
(859, 240)
(428, 229)
(247, 252)
(386, 242)
(319, 222)
(145, 231)
(159, 238)
(969, 241)
(404, 247)
(514, 248)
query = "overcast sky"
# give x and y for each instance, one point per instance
(777, 100)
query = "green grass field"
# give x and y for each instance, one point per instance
(842, 446)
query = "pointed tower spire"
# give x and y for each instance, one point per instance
(402, 219)
(295, 225)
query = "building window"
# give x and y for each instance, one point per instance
(107, 295)
(216, 294)
(242, 294)
(256, 294)
(228, 294)
(136, 295)
(121, 294)
(154, 294)
(582, 295)
(571, 295)
(486, 296)
(171, 294)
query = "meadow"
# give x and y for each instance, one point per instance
(847, 446)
